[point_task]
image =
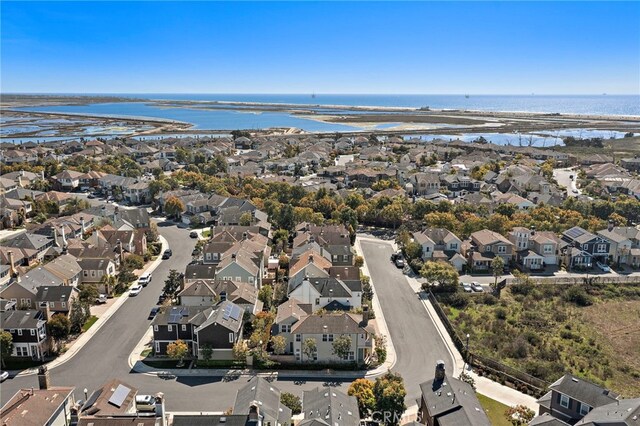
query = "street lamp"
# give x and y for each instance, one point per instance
(464, 368)
(86, 394)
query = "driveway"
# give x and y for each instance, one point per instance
(415, 338)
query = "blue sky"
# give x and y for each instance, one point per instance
(430, 48)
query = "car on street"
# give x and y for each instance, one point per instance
(193, 234)
(603, 267)
(135, 290)
(571, 177)
(167, 254)
(91, 196)
(102, 298)
(475, 286)
(575, 191)
(144, 279)
(154, 312)
(195, 252)
(4, 375)
(399, 262)
(467, 287)
(161, 299)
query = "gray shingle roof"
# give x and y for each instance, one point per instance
(453, 402)
(624, 412)
(583, 391)
(268, 398)
(331, 406)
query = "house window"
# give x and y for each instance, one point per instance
(487, 248)
(285, 328)
(64, 304)
(602, 248)
(327, 337)
(317, 301)
(502, 249)
(238, 279)
(155, 328)
(427, 249)
(564, 401)
(584, 409)
(33, 332)
(453, 246)
(51, 304)
(251, 280)
(184, 327)
(19, 332)
(231, 338)
(170, 327)
(85, 273)
(351, 356)
(20, 351)
(157, 347)
(548, 249)
(223, 296)
(298, 338)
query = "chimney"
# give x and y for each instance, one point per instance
(116, 213)
(310, 258)
(244, 236)
(365, 316)
(233, 255)
(55, 237)
(610, 227)
(83, 225)
(43, 377)
(211, 229)
(12, 265)
(44, 308)
(533, 231)
(42, 174)
(64, 237)
(160, 409)
(254, 414)
(439, 370)
(120, 250)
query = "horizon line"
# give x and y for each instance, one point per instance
(319, 94)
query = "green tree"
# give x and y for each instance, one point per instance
(245, 219)
(292, 402)
(80, 313)
(390, 393)
(342, 346)
(362, 389)
(442, 274)
(413, 250)
(265, 295)
(58, 327)
(240, 351)
(497, 267)
(173, 283)
(134, 261)
(309, 347)
(174, 207)
(281, 237)
(6, 346)
(177, 350)
(88, 293)
(279, 344)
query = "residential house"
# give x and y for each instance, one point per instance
(633, 234)
(584, 248)
(59, 299)
(619, 245)
(218, 327)
(289, 313)
(324, 329)
(260, 400)
(210, 292)
(447, 401)
(95, 269)
(27, 240)
(625, 412)
(526, 258)
(29, 332)
(49, 406)
(325, 292)
(329, 406)
(66, 267)
(570, 399)
(425, 183)
(114, 399)
(440, 244)
(547, 244)
(484, 246)
(67, 180)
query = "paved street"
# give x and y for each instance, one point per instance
(563, 178)
(416, 340)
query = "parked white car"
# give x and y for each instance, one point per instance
(603, 267)
(467, 287)
(135, 290)
(145, 403)
(475, 286)
(144, 279)
(4, 375)
(102, 298)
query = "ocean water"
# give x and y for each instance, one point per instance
(564, 104)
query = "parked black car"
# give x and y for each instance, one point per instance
(167, 254)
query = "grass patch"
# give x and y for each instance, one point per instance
(495, 410)
(546, 330)
(219, 363)
(146, 352)
(87, 325)
(207, 233)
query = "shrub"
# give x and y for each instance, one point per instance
(501, 313)
(458, 300)
(578, 295)
(291, 401)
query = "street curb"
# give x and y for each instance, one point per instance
(86, 336)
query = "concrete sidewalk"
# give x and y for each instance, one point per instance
(87, 335)
(494, 390)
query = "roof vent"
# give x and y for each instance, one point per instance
(574, 379)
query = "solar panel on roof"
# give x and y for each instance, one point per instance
(92, 399)
(235, 313)
(119, 395)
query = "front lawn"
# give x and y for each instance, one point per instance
(547, 329)
(87, 325)
(495, 410)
